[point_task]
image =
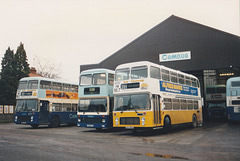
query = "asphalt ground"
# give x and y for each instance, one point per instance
(213, 141)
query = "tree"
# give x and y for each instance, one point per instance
(14, 67)
(22, 67)
(8, 81)
(46, 68)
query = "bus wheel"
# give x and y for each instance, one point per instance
(54, 122)
(194, 121)
(167, 124)
(35, 126)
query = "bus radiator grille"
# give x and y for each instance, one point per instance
(129, 121)
(24, 118)
(91, 120)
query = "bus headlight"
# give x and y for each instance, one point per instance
(143, 121)
(16, 118)
(79, 120)
(103, 120)
(116, 120)
(31, 118)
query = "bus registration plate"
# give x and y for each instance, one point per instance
(237, 109)
(129, 127)
(90, 125)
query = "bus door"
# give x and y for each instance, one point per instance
(44, 112)
(156, 109)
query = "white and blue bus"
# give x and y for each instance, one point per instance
(95, 104)
(233, 98)
(43, 101)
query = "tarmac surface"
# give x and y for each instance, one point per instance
(214, 141)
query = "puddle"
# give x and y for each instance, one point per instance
(161, 156)
(165, 156)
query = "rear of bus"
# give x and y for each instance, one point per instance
(233, 99)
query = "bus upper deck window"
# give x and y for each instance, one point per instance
(22, 85)
(110, 79)
(85, 79)
(188, 81)
(56, 86)
(66, 87)
(155, 72)
(139, 72)
(194, 82)
(99, 79)
(181, 79)
(33, 84)
(74, 88)
(122, 74)
(45, 84)
(165, 75)
(173, 77)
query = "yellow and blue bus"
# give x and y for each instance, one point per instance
(43, 101)
(95, 104)
(233, 98)
(148, 95)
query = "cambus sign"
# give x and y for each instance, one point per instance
(185, 55)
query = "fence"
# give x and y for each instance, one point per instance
(7, 113)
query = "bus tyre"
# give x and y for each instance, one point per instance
(194, 121)
(35, 126)
(167, 124)
(54, 122)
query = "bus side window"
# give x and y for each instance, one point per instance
(45, 84)
(183, 104)
(176, 104)
(165, 75)
(168, 103)
(181, 79)
(74, 88)
(33, 84)
(56, 86)
(155, 72)
(173, 77)
(110, 79)
(194, 82)
(195, 105)
(189, 104)
(66, 107)
(66, 87)
(74, 107)
(56, 107)
(188, 81)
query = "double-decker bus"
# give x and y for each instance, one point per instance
(43, 101)
(216, 102)
(95, 104)
(149, 95)
(233, 99)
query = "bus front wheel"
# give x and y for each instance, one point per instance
(54, 122)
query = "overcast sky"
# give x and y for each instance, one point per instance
(71, 33)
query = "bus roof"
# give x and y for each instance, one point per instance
(97, 70)
(217, 85)
(232, 79)
(142, 63)
(45, 79)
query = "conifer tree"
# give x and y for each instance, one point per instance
(8, 80)
(14, 67)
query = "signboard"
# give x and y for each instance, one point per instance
(177, 88)
(5, 109)
(185, 55)
(11, 109)
(1, 109)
